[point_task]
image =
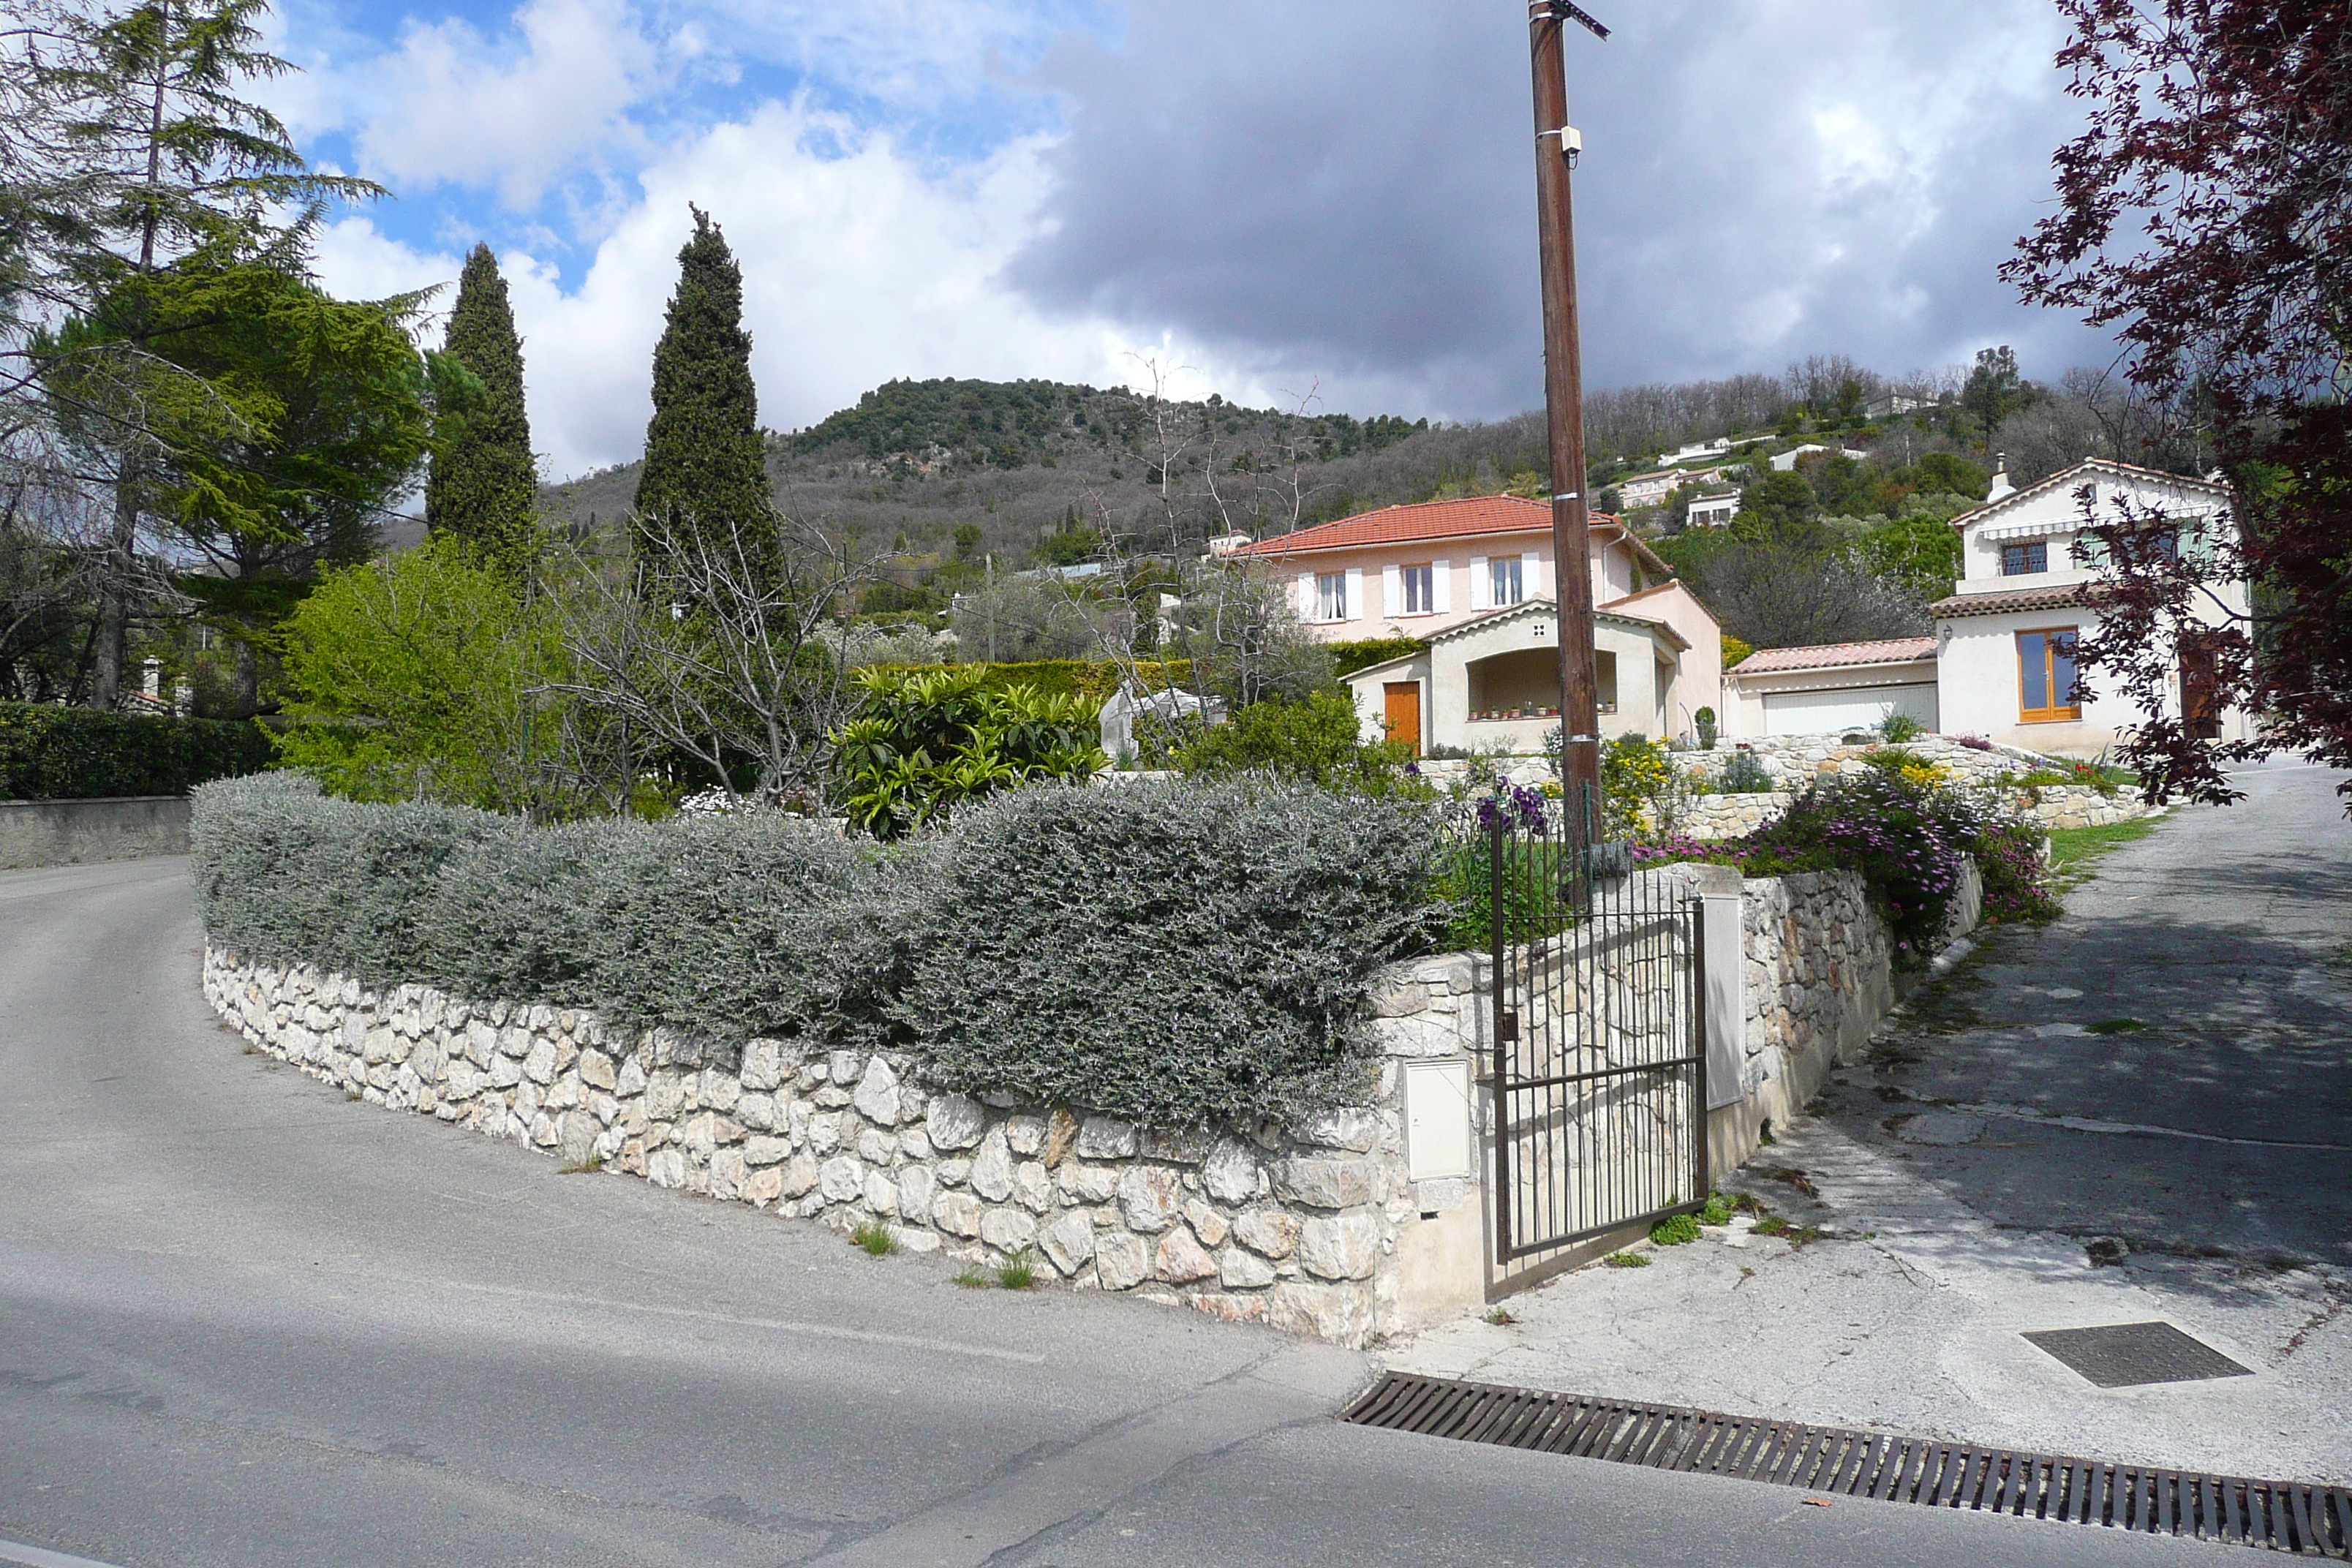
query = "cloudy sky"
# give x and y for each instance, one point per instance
(1273, 194)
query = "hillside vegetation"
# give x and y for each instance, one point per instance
(950, 476)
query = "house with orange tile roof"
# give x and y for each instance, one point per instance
(2001, 663)
(1472, 578)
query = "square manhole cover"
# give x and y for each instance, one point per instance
(2123, 1354)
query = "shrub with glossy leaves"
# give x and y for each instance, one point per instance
(932, 741)
(74, 754)
(1316, 740)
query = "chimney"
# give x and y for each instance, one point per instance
(153, 685)
(2001, 485)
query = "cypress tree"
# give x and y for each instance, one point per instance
(705, 467)
(484, 487)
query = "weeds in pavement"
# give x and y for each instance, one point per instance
(1018, 1272)
(1625, 1260)
(1674, 1230)
(1501, 1318)
(876, 1238)
(1791, 1175)
(588, 1165)
(972, 1277)
(1718, 1210)
(1797, 1236)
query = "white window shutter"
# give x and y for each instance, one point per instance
(1354, 608)
(1441, 576)
(1531, 582)
(1306, 595)
(1391, 590)
(1482, 591)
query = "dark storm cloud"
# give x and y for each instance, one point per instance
(1347, 190)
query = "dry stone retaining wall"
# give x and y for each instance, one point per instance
(1817, 974)
(1299, 1230)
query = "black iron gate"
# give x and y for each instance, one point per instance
(1599, 1050)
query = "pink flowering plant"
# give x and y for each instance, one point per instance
(1909, 838)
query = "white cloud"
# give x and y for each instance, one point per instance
(517, 114)
(857, 267)
(358, 262)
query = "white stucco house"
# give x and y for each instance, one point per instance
(1472, 578)
(2005, 639)
(2001, 662)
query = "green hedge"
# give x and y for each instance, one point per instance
(1094, 679)
(1177, 954)
(1347, 657)
(78, 754)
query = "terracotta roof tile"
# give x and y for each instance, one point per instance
(1830, 656)
(2065, 596)
(1421, 519)
(2080, 474)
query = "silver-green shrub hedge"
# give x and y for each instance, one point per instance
(1175, 955)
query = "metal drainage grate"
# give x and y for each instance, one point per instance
(2126, 1355)
(2285, 1516)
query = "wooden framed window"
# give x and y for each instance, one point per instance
(2024, 560)
(2046, 690)
(1420, 584)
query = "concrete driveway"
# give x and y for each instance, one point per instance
(246, 1324)
(2140, 1112)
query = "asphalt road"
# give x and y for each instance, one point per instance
(244, 1323)
(2170, 1063)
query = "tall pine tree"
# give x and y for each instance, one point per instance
(484, 485)
(705, 473)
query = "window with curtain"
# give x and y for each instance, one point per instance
(1505, 571)
(1420, 588)
(2045, 676)
(1331, 596)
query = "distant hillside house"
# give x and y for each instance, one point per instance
(2002, 662)
(1787, 461)
(1650, 489)
(1715, 511)
(1474, 578)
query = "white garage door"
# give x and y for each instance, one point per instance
(1829, 710)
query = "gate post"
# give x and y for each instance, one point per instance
(1505, 1027)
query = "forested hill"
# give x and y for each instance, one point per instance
(1029, 470)
(928, 461)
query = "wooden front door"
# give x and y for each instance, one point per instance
(1401, 708)
(2201, 705)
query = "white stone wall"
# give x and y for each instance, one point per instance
(1793, 761)
(1299, 1228)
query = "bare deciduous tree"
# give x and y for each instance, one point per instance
(724, 653)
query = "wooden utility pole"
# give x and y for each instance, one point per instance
(1556, 149)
